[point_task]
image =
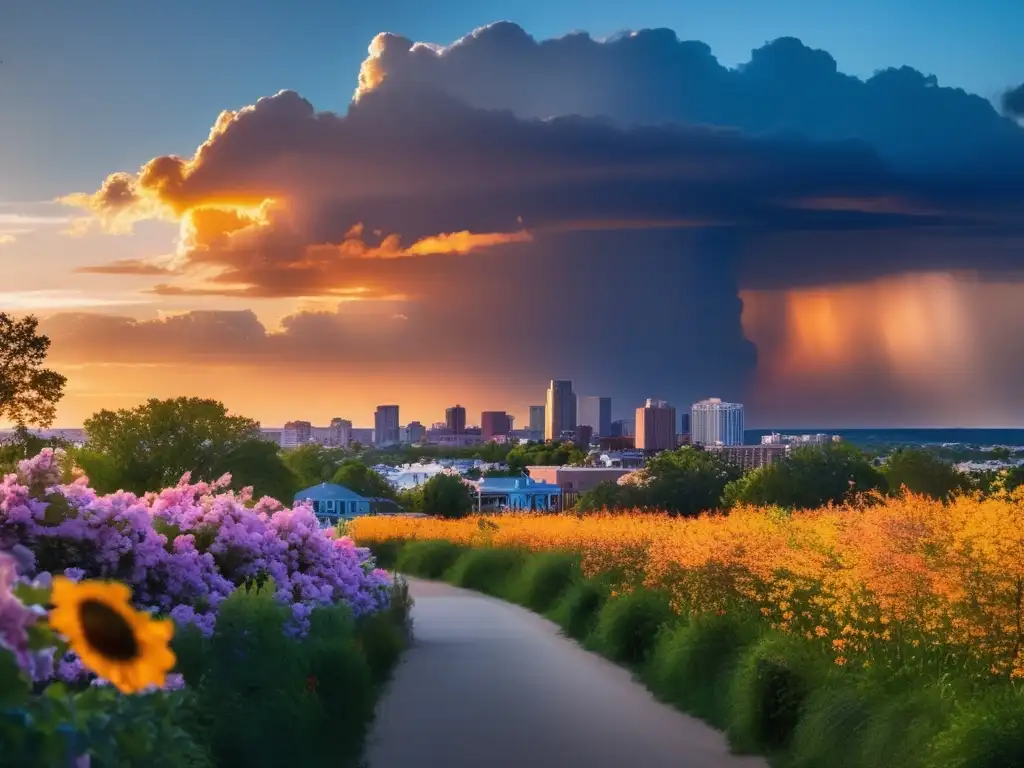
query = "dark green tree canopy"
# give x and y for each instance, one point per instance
(152, 446)
(543, 455)
(807, 478)
(921, 471)
(687, 481)
(28, 392)
(611, 496)
(358, 477)
(313, 464)
(447, 495)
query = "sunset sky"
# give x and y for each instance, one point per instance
(311, 208)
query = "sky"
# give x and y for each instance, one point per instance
(813, 209)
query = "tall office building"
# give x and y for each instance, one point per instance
(656, 426)
(537, 419)
(385, 426)
(296, 433)
(623, 428)
(340, 432)
(560, 410)
(596, 412)
(415, 432)
(455, 419)
(713, 422)
(494, 424)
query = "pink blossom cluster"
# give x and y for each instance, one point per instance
(183, 550)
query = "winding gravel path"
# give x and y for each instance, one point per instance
(488, 684)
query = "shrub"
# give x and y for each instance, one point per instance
(628, 626)
(577, 610)
(486, 570)
(986, 734)
(338, 687)
(832, 730)
(386, 552)
(905, 722)
(383, 635)
(769, 690)
(429, 559)
(691, 664)
(544, 579)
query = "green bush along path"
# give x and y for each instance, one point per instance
(488, 683)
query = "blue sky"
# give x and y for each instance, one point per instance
(89, 87)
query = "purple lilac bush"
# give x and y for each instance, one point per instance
(183, 550)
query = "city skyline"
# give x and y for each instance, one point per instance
(832, 235)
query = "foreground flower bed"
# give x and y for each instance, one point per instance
(888, 634)
(186, 627)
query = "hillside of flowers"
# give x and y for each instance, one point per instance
(870, 581)
(118, 597)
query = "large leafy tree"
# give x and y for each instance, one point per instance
(28, 391)
(358, 477)
(543, 455)
(920, 471)
(808, 478)
(612, 496)
(152, 446)
(687, 481)
(447, 495)
(313, 464)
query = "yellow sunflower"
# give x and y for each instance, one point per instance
(117, 642)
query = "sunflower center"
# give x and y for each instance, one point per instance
(107, 631)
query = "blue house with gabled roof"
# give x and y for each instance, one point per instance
(332, 502)
(517, 494)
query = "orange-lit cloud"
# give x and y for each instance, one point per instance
(921, 343)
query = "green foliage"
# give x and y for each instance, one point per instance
(807, 478)
(266, 698)
(429, 559)
(986, 734)
(1013, 478)
(383, 636)
(544, 579)
(28, 392)
(359, 478)
(543, 454)
(157, 729)
(905, 721)
(447, 495)
(691, 665)
(259, 464)
(578, 609)
(486, 570)
(24, 445)
(313, 464)
(609, 495)
(153, 445)
(628, 626)
(769, 690)
(687, 481)
(385, 552)
(921, 471)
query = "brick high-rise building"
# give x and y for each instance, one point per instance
(455, 419)
(494, 424)
(656, 426)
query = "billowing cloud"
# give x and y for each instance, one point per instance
(587, 245)
(1013, 102)
(651, 76)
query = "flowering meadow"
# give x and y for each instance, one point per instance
(871, 595)
(98, 591)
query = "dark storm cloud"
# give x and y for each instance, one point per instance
(573, 246)
(1013, 102)
(651, 76)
